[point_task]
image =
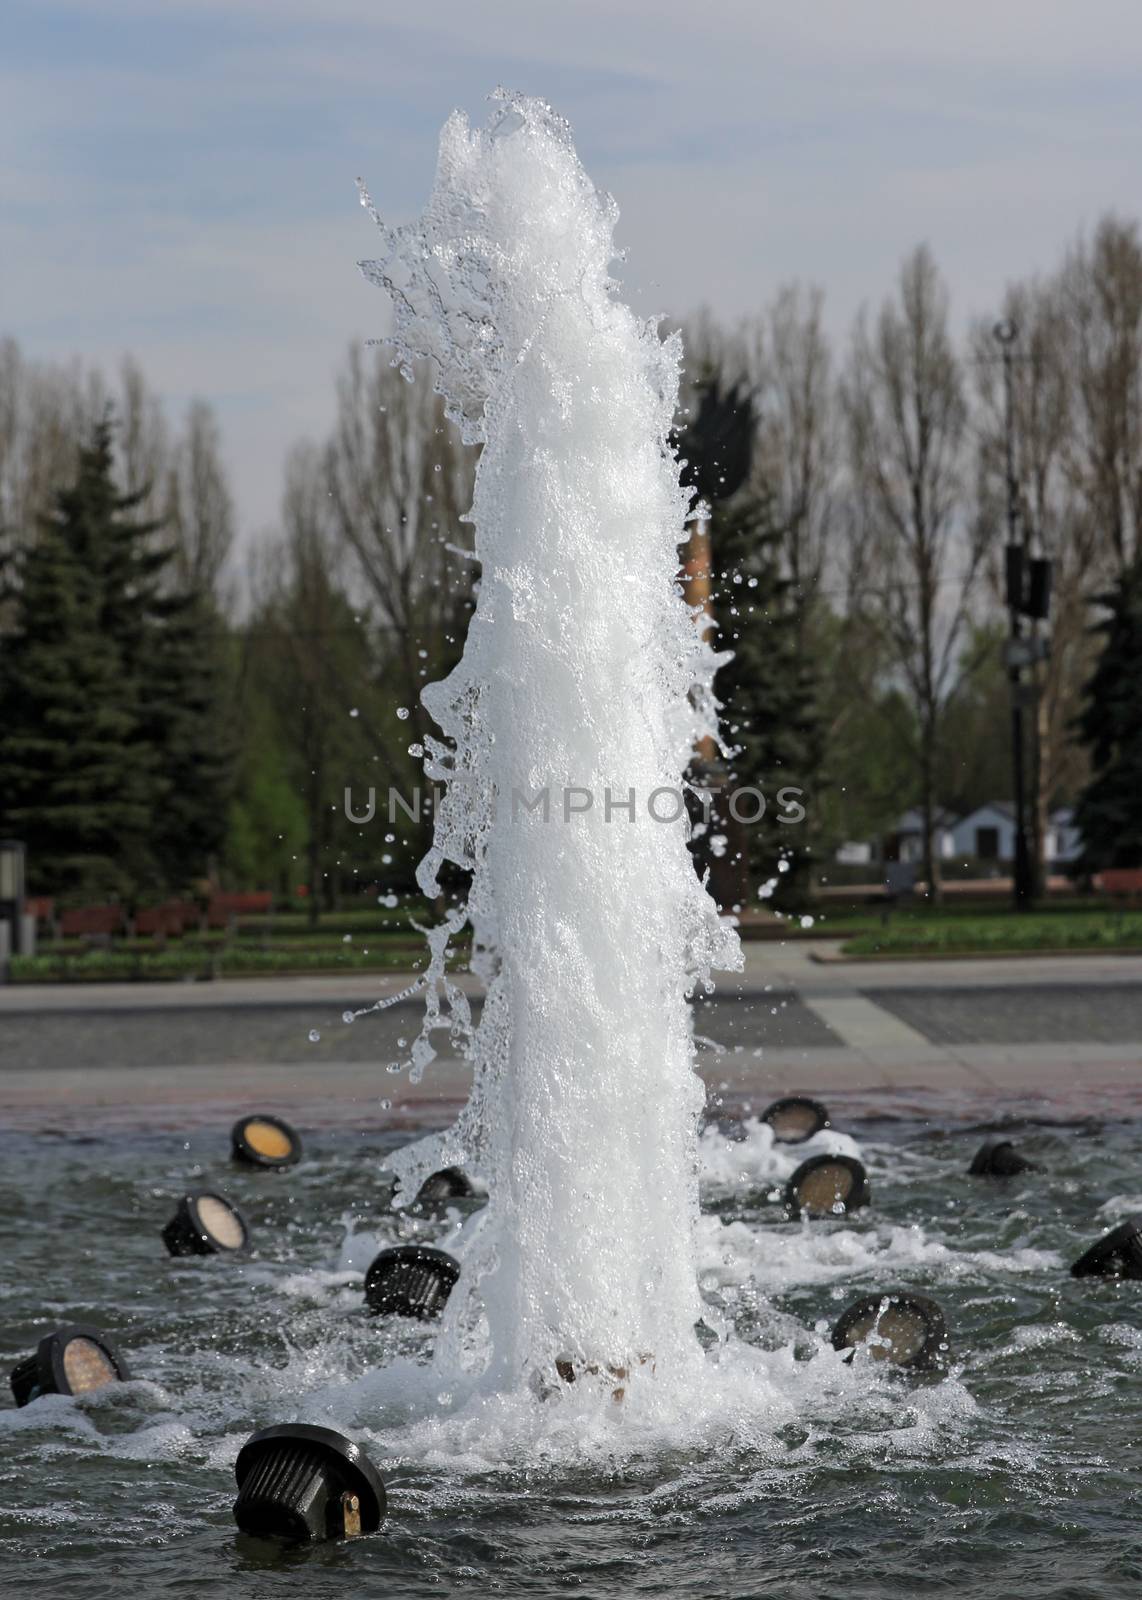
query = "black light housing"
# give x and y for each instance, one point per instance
(302, 1483)
(410, 1280)
(1038, 600)
(998, 1158)
(264, 1141)
(905, 1329)
(795, 1119)
(1118, 1254)
(828, 1186)
(205, 1224)
(450, 1183)
(73, 1360)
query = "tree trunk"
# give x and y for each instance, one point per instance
(1040, 791)
(928, 805)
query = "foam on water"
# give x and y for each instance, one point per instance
(584, 669)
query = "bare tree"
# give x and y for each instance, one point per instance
(906, 419)
(399, 483)
(310, 650)
(1056, 523)
(1102, 296)
(199, 503)
(790, 364)
(45, 413)
(142, 439)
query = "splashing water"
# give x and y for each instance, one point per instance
(584, 673)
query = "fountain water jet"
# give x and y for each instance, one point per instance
(584, 672)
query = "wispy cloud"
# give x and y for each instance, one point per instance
(178, 179)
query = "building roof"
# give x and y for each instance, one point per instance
(1003, 807)
(913, 820)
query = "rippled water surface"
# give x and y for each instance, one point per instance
(1018, 1474)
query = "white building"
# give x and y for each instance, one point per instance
(907, 843)
(988, 834)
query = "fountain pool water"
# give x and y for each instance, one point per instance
(1015, 1476)
(753, 1462)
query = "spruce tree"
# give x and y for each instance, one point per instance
(769, 712)
(74, 780)
(182, 699)
(1109, 814)
(768, 691)
(111, 768)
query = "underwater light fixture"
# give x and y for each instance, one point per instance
(302, 1483)
(410, 1280)
(827, 1186)
(450, 1183)
(205, 1224)
(998, 1158)
(264, 1141)
(905, 1329)
(1118, 1254)
(73, 1360)
(794, 1118)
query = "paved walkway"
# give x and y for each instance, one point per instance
(1005, 1026)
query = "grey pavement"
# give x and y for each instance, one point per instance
(1051, 1025)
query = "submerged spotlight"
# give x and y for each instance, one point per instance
(1118, 1254)
(264, 1141)
(905, 1329)
(794, 1119)
(828, 1186)
(450, 1183)
(302, 1483)
(411, 1280)
(204, 1225)
(73, 1360)
(998, 1158)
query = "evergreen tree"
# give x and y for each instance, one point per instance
(74, 777)
(768, 691)
(110, 765)
(1109, 815)
(183, 693)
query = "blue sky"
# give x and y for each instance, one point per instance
(178, 175)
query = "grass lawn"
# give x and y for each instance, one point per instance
(352, 942)
(961, 930)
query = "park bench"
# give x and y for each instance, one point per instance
(225, 909)
(95, 923)
(43, 908)
(1120, 881)
(166, 921)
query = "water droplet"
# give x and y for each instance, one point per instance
(354, 712)
(348, 1016)
(314, 1036)
(402, 713)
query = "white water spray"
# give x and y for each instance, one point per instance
(583, 669)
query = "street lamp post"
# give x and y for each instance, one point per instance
(1006, 333)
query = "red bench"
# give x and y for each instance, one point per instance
(166, 921)
(40, 907)
(227, 908)
(91, 922)
(1120, 880)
